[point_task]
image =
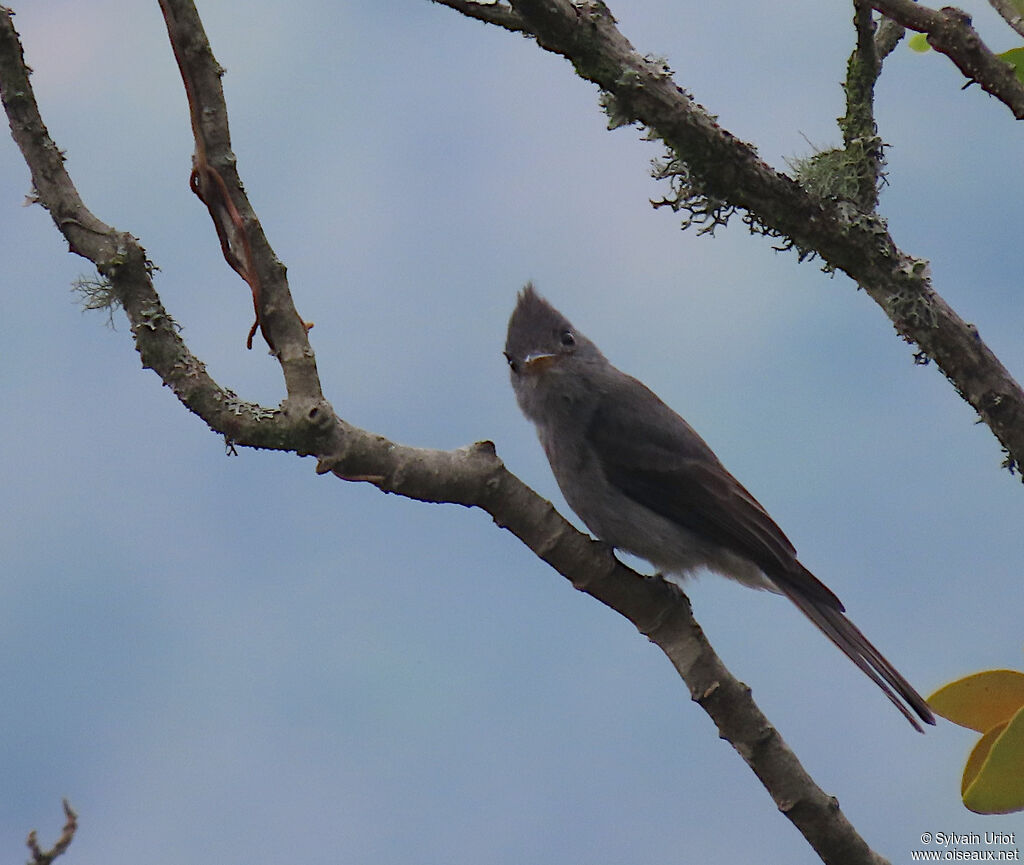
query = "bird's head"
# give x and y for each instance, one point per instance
(541, 340)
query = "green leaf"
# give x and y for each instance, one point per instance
(919, 42)
(1015, 57)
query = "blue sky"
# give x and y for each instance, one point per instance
(232, 659)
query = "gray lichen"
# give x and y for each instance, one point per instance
(97, 292)
(699, 209)
(242, 408)
(840, 174)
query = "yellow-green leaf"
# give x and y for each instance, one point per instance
(1015, 57)
(919, 42)
(978, 756)
(998, 787)
(982, 700)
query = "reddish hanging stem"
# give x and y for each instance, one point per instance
(208, 184)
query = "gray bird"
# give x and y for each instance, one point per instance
(643, 481)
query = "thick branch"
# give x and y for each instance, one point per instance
(950, 32)
(728, 170)
(476, 477)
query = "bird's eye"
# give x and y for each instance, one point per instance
(567, 339)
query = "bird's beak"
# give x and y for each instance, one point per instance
(538, 362)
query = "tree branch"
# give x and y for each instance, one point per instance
(125, 269)
(950, 32)
(860, 135)
(1009, 13)
(215, 180)
(473, 476)
(853, 172)
(499, 14)
(46, 857)
(887, 37)
(725, 173)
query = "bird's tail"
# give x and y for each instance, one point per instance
(847, 636)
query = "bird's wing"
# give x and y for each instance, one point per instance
(657, 459)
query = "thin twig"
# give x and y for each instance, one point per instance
(46, 857)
